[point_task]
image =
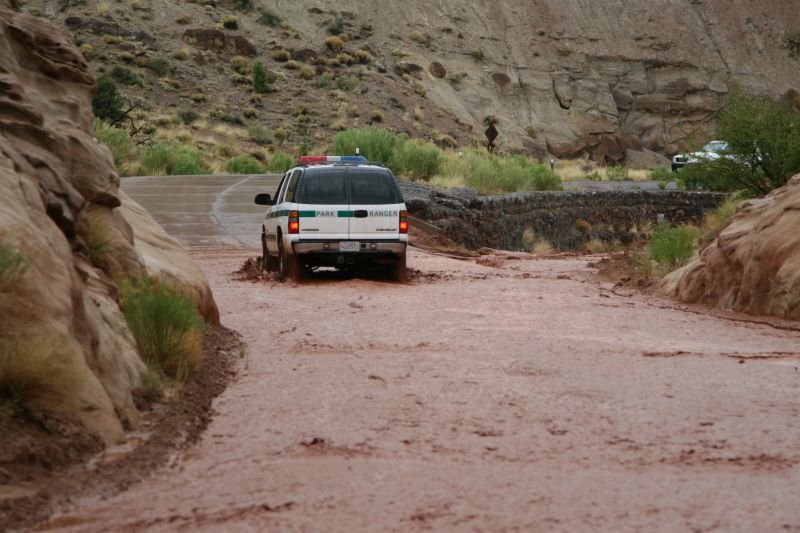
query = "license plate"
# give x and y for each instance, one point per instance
(349, 246)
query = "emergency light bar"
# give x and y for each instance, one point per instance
(322, 159)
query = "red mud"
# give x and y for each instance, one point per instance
(519, 395)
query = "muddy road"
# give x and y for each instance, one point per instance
(508, 393)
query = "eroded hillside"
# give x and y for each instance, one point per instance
(570, 77)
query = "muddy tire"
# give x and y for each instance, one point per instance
(398, 271)
(288, 266)
(268, 263)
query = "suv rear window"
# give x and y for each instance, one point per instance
(330, 186)
(373, 187)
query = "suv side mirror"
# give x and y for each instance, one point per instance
(263, 199)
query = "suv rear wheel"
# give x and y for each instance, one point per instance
(288, 265)
(399, 272)
(268, 263)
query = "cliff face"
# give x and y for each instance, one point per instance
(594, 76)
(568, 77)
(62, 332)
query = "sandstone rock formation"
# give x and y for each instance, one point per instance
(754, 264)
(61, 325)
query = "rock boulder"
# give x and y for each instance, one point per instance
(754, 264)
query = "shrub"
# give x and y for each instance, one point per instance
(662, 174)
(230, 22)
(307, 72)
(376, 115)
(188, 116)
(88, 51)
(491, 174)
(159, 65)
(116, 139)
(126, 76)
(181, 55)
(240, 65)
(107, 103)
(717, 219)
(671, 247)
(280, 134)
(243, 5)
(34, 370)
(362, 56)
(376, 144)
(417, 37)
(260, 135)
(477, 54)
(336, 27)
(280, 162)
(13, 264)
(183, 20)
(617, 173)
(791, 41)
(345, 59)
(98, 245)
(269, 18)
(346, 83)
(417, 160)
(291, 65)
(165, 324)
(260, 84)
(763, 138)
(280, 55)
(199, 98)
(334, 44)
(244, 164)
(171, 160)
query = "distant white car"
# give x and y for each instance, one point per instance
(710, 152)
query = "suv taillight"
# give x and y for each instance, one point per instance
(403, 222)
(294, 222)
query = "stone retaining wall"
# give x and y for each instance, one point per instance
(566, 219)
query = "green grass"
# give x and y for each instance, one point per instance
(492, 174)
(13, 264)
(98, 246)
(116, 139)
(671, 247)
(617, 173)
(280, 162)
(244, 164)
(662, 174)
(259, 134)
(376, 144)
(171, 160)
(417, 160)
(166, 325)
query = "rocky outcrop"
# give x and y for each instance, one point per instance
(753, 265)
(577, 70)
(566, 219)
(61, 325)
(219, 41)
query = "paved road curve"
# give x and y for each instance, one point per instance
(205, 211)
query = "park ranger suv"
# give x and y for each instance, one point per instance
(334, 211)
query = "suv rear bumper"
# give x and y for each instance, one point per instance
(332, 247)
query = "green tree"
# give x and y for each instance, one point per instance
(763, 139)
(108, 103)
(259, 79)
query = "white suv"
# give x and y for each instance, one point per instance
(710, 152)
(334, 211)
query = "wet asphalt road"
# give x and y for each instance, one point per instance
(205, 211)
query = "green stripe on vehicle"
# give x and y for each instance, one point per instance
(345, 214)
